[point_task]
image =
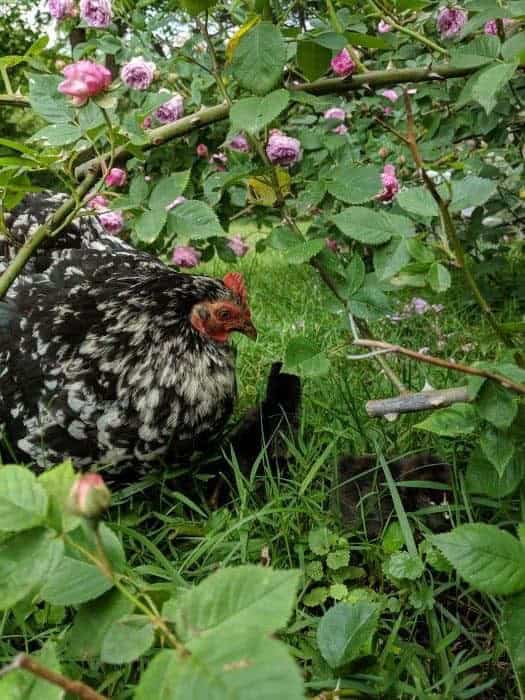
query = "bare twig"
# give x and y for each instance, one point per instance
(14, 100)
(29, 663)
(455, 366)
(421, 401)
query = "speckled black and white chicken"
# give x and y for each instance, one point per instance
(109, 356)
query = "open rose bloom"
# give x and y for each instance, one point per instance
(138, 74)
(61, 9)
(84, 79)
(282, 149)
(96, 13)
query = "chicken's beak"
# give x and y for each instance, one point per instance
(249, 329)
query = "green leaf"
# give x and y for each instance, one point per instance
(303, 252)
(195, 7)
(313, 59)
(47, 101)
(26, 561)
(452, 421)
(282, 237)
(194, 219)
(418, 201)
(498, 448)
(345, 632)
(302, 358)
(149, 225)
(391, 258)
(355, 185)
(238, 598)
(90, 116)
(57, 483)
(371, 227)
(127, 639)
(490, 559)
(73, 582)
(367, 41)
(355, 274)
(514, 48)
(58, 134)
(472, 191)
(370, 302)
(338, 559)
(20, 685)
(439, 277)
(482, 50)
(242, 664)
(319, 541)
(403, 565)
(92, 621)
(258, 60)
(513, 624)
(23, 501)
(496, 405)
(252, 114)
(138, 191)
(484, 86)
(482, 478)
(168, 189)
(419, 251)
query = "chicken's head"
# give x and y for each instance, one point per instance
(219, 318)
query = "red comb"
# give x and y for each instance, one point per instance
(235, 282)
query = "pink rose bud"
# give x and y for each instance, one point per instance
(96, 13)
(342, 64)
(331, 244)
(335, 113)
(60, 9)
(387, 111)
(390, 95)
(239, 143)
(238, 246)
(282, 149)
(116, 177)
(84, 79)
(89, 496)
(390, 184)
(97, 201)
(176, 202)
(112, 221)
(383, 27)
(202, 150)
(138, 74)
(450, 21)
(341, 130)
(186, 256)
(146, 123)
(491, 27)
(171, 110)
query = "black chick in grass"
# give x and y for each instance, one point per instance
(363, 500)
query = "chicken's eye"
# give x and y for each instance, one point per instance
(224, 314)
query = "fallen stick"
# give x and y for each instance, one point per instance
(422, 401)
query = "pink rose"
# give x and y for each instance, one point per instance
(171, 110)
(220, 160)
(342, 129)
(491, 27)
(335, 113)
(186, 256)
(331, 244)
(146, 123)
(342, 64)
(97, 201)
(96, 13)
(383, 27)
(450, 21)
(89, 496)
(387, 111)
(282, 149)
(138, 74)
(238, 246)
(60, 9)
(239, 143)
(390, 184)
(116, 177)
(84, 79)
(202, 150)
(112, 221)
(390, 95)
(176, 202)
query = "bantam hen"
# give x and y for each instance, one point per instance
(109, 356)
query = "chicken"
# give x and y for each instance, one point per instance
(109, 356)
